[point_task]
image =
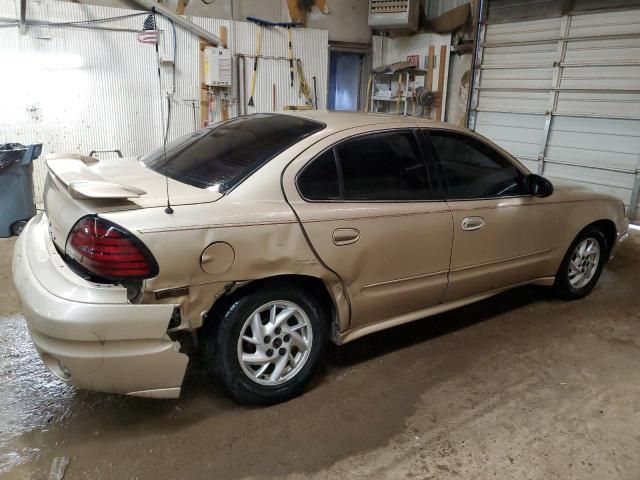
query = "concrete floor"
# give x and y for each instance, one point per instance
(521, 386)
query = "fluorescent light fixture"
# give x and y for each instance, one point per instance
(634, 227)
(40, 61)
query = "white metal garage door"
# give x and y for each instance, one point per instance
(563, 95)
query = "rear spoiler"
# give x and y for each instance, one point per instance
(75, 172)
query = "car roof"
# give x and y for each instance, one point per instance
(337, 121)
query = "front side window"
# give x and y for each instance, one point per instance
(474, 170)
(223, 155)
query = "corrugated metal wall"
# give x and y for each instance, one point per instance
(85, 89)
(563, 95)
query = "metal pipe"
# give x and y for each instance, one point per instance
(635, 196)
(475, 64)
(558, 89)
(263, 57)
(583, 38)
(516, 66)
(627, 171)
(183, 22)
(559, 114)
(244, 85)
(23, 17)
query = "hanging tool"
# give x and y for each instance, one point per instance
(440, 92)
(297, 107)
(266, 23)
(255, 62)
(273, 99)
(304, 86)
(399, 93)
(315, 92)
(290, 55)
(368, 99)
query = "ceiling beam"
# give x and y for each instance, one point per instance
(183, 22)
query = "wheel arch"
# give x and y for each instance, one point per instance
(608, 228)
(313, 285)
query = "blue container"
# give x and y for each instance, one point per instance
(16, 186)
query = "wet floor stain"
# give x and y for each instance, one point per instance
(32, 399)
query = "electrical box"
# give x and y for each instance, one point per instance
(394, 14)
(217, 66)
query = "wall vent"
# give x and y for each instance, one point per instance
(394, 14)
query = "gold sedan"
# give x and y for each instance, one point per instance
(269, 235)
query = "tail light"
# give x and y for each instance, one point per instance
(108, 251)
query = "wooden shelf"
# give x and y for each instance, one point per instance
(387, 99)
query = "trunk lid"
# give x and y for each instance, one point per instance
(78, 185)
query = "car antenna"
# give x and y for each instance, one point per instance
(165, 133)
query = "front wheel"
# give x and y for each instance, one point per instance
(582, 265)
(268, 345)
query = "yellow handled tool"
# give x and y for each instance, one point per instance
(255, 63)
(290, 55)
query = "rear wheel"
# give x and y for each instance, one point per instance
(18, 227)
(268, 344)
(582, 265)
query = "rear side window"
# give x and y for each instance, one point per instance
(319, 180)
(475, 170)
(377, 167)
(223, 155)
(384, 166)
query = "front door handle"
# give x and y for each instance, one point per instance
(472, 223)
(345, 236)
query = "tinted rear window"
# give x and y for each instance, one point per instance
(223, 155)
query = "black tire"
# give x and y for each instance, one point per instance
(18, 227)
(220, 348)
(562, 286)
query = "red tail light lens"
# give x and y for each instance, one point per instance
(108, 251)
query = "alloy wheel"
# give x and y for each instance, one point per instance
(275, 343)
(584, 262)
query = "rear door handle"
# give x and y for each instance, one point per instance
(472, 223)
(345, 236)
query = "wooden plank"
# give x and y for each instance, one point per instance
(224, 36)
(429, 80)
(182, 5)
(204, 99)
(224, 103)
(432, 53)
(441, 66)
(296, 13)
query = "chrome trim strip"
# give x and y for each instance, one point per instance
(493, 262)
(212, 225)
(404, 279)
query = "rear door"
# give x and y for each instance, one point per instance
(502, 235)
(375, 216)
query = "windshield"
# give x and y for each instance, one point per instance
(223, 155)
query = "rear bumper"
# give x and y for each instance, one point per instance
(87, 334)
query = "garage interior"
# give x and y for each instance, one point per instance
(521, 385)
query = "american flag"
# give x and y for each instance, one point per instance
(150, 34)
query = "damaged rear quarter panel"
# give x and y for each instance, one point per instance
(258, 225)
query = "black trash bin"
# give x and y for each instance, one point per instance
(16, 186)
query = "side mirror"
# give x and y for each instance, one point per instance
(539, 186)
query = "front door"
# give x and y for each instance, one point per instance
(372, 214)
(501, 234)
